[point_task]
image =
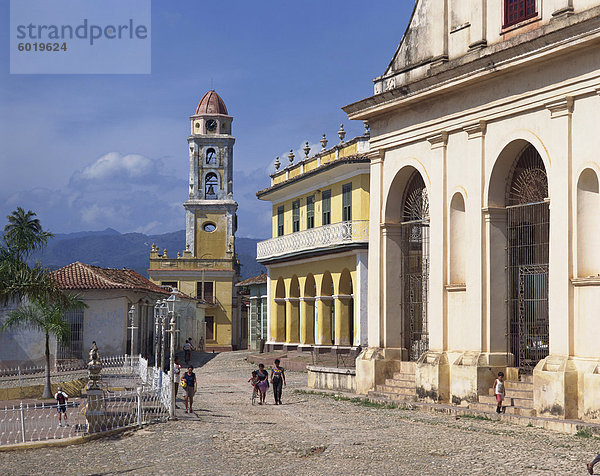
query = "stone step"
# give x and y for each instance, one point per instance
(512, 393)
(395, 390)
(517, 385)
(383, 397)
(403, 376)
(408, 367)
(400, 382)
(522, 402)
(487, 399)
(509, 409)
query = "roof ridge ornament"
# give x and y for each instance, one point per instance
(277, 163)
(306, 149)
(324, 142)
(291, 156)
(341, 133)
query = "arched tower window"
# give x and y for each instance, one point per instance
(211, 157)
(211, 183)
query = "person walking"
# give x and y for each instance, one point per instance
(187, 349)
(263, 383)
(278, 381)
(176, 375)
(61, 405)
(591, 464)
(190, 388)
(499, 392)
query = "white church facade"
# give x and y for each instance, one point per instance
(485, 206)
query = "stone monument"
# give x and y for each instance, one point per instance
(95, 414)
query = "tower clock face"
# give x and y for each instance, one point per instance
(211, 124)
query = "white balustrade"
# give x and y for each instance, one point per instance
(328, 236)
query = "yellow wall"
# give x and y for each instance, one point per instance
(317, 267)
(360, 204)
(222, 310)
(211, 245)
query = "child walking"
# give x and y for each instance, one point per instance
(499, 392)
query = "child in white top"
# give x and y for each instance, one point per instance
(499, 392)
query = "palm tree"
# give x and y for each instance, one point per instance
(24, 234)
(47, 316)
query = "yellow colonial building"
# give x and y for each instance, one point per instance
(208, 269)
(316, 259)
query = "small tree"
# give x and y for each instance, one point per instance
(46, 316)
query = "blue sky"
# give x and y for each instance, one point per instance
(87, 152)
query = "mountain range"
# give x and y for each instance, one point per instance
(111, 249)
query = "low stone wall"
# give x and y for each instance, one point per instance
(327, 378)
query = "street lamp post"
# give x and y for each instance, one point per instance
(173, 330)
(156, 341)
(132, 327)
(163, 316)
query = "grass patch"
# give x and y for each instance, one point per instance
(584, 433)
(476, 417)
(363, 402)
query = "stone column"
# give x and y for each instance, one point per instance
(432, 370)
(292, 311)
(324, 320)
(342, 319)
(555, 384)
(307, 320)
(278, 321)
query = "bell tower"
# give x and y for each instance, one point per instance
(208, 268)
(211, 219)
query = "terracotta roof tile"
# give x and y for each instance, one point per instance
(260, 279)
(84, 276)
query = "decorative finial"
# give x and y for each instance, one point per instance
(178, 255)
(277, 163)
(306, 149)
(187, 247)
(324, 142)
(367, 127)
(291, 156)
(341, 133)
(165, 253)
(154, 247)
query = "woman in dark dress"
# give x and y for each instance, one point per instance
(278, 381)
(263, 382)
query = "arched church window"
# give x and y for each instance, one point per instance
(211, 182)
(211, 157)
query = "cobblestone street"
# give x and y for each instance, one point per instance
(308, 435)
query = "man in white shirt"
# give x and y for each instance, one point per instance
(61, 405)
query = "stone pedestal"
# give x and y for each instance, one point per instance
(555, 387)
(433, 377)
(374, 365)
(95, 415)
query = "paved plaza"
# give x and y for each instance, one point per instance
(308, 435)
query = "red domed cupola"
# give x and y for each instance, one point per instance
(211, 103)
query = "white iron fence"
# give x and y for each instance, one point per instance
(336, 234)
(147, 400)
(114, 362)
